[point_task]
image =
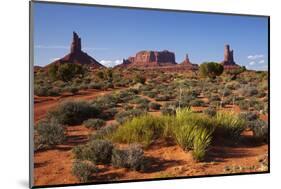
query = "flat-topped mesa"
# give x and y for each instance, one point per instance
(151, 58)
(77, 56)
(76, 43)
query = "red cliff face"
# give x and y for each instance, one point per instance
(77, 56)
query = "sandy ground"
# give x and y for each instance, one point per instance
(166, 159)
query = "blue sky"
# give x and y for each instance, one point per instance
(111, 34)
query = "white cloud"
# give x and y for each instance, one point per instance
(252, 63)
(110, 63)
(256, 56)
(261, 61)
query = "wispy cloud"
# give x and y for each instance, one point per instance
(256, 56)
(261, 61)
(252, 63)
(110, 63)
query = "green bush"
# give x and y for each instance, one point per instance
(197, 103)
(210, 69)
(50, 132)
(96, 151)
(260, 129)
(131, 158)
(74, 112)
(83, 170)
(94, 123)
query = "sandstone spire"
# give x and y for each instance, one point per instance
(228, 56)
(76, 43)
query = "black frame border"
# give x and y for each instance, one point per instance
(31, 101)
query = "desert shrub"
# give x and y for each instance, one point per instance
(225, 92)
(229, 124)
(94, 123)
(249, 91)
(138, 100)
(104, 132)
(143, 106)
(211, 111)
(214, 98)
(72, 89)
(121, 117)
(150, 94)
(97, 85)
(96, 151)
(46, 91)
(108, 114)
(74, 112)
(260, 129)
(131, 158)
(244, 105)
(50, 132)
(162, 98)
(154, 106)
(233, 85)
(168, 109)
(143, 129)
(83, 170)
(197, 102)
(139, 79)
(249, 116)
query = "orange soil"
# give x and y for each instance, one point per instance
(166, 159)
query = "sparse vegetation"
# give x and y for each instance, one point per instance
(83, 170)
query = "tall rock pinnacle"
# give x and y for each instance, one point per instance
(77, 56)
(228, 56)
(76, 43)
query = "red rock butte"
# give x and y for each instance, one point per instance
(77, 56)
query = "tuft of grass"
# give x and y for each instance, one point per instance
(142, 129)
(229, 124)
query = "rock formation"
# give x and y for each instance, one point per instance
(187, 63)
(150, 58)
(77, 56)
(228, 61)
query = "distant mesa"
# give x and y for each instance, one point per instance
(228, 62)
(77, 56)
(150, 59)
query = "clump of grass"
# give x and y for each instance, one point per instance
(229, 124)
(127, 115)
(142, 129)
